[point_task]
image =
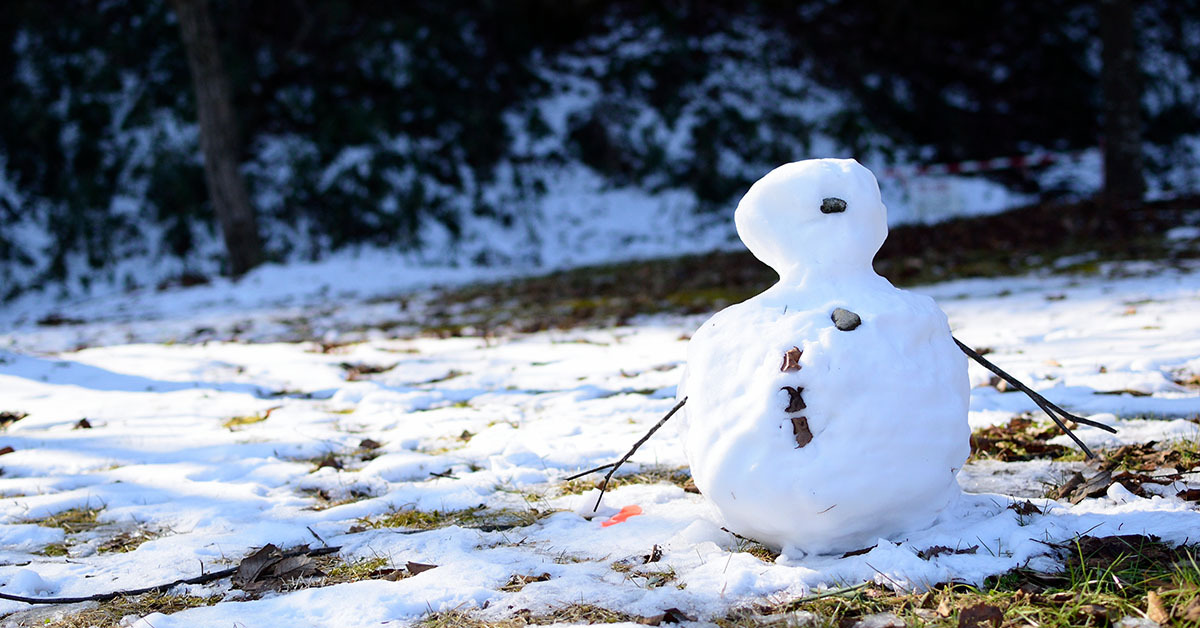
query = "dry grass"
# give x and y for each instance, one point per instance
(573, 614)
(109, 614)
(70, 521)
(679, 476)
(479, 517)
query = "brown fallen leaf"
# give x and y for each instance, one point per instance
(1025, 508)
(368, 443)
(1098, 613)
(980, 615)
(858, 552)
(267, 568)
(669, 616)
(1095, 486)
(8, 418)
(416, 568)
(7, 449)
(938, 550)
(944, 609)
(1155, 609)
(1192, 612)
(877, 620)
(791, 360)
(795, 400)
(1191, 495)
(252, 566)
(83, 424)
(330, 461)
(800, 430)
(518, 581)
(654, 556)
(294, 567)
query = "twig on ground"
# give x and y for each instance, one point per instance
(1045, 404)
(158, 588)
(617, 465)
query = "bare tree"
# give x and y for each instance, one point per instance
(218, 136)
(1120, 80)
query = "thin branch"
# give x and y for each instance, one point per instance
(1045, 404)
(158, 588)
(589, 472)
(617, 465)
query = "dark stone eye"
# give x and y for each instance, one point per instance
(833, 206)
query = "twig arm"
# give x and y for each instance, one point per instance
(588, 472)
(1045, 404)
(641, 441)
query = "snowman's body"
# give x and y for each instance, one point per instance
(811, 434)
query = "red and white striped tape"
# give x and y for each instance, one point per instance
(983, 165)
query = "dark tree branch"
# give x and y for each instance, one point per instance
(589, 472)
(158, 588)
(1049, 408)
(617, 465)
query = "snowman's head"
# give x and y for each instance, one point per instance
(817, 216)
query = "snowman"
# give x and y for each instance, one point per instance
(830, 410)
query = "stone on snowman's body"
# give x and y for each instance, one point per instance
(830, 410)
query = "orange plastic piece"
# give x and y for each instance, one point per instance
(620, 517)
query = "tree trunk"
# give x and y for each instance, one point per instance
(1120, 80)
(218, 136)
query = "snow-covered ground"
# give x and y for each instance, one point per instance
(497, 424)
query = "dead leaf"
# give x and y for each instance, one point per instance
(253, 565)
(329, 461)
(669, 616)
(389, 574)
(690, 487)
(791, 360)
(1098, 613)
(1124, 391)
(654, 556)
(1191, 495)
(795, 400)
(800, 430)
(1019, 439)
(938, 550)
(1068, 487)
(518, 581)
(8, 418)
(466, 436)
(83, 424)
(416, 568)
(1025, 508)
(1095, 486)
(878, 620)
(294, 567)
(980, 615)
(7, 449)
(1192, 612)
(368, 443)
(1155, 609)
(858, 552)
(944, 609)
